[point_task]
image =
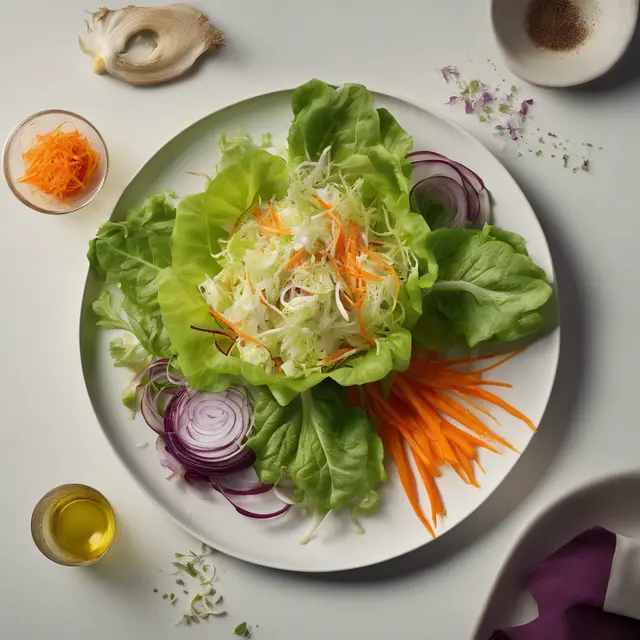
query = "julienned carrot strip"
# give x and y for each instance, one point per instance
(393, 442)
(467, 467)
(513, 354)
(363, 329)
(292, 261)
(431, 418)
(437, 508)
(450, 429)
(482, 394)
(475, 405)
(268, 231)
(460, 471)
(457, 440)
(456, 411)
(232, 325)
(322, 203)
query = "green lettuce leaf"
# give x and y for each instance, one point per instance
(232, 148)
(331, 452)
(131, 254)
(487, 289)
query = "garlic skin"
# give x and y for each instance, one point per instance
(181, 34)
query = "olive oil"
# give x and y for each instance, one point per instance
(73, 525)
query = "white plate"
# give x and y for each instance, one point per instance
(394, 530)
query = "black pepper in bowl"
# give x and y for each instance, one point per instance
(557, 25)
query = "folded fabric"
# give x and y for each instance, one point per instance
(587, 590)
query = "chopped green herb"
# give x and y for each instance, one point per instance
(186, 593)
(514, 89)
(165, 596)
(504, 108)
(553, 155)
(172, 596)
(565, 160)
(538, 153)
(243, 630)
(179, 555)
(180, 582)
(541, 140)
(585, 166)
(482, 118)
(589, 145)
(552, 135)
(206, 567)
(474, 86)
(487, 109)
(519, 154)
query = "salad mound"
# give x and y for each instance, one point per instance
(311, 280)
(307, 285)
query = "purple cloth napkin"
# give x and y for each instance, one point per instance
(587, 590)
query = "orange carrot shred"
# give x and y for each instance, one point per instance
(425, 401)
(60, 163)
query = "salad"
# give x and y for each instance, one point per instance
(286, 326)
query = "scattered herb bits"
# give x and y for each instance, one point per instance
(243, 630)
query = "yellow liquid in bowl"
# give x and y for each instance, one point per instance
(82, 526)
(73, 525)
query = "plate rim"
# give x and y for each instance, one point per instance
(247, 557)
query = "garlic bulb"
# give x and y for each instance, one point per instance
(175, 36)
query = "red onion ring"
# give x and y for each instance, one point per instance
(245, 512)
(205, 431)
(429, 164)
(155, 397)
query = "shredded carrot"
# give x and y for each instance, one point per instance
(266, 303)
(419, 416)
(268, 231)
(234, 327)
(339, 354)
(60, 163)
(322, 203)
(393, 443)
(293, 260)
(363, 329)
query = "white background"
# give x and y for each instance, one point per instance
(50, 434)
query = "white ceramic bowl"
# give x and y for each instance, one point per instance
(612, 26)
(21, 139)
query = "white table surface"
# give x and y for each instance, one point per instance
(51, 436)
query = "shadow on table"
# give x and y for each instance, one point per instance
(565, 397)
(607, 503)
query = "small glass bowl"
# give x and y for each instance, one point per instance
(62, 497)
(21, 139)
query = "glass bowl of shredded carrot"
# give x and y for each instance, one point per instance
(55, 161)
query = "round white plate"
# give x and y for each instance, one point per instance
(394, 530)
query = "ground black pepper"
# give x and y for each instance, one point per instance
(557, 25)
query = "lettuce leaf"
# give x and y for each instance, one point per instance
(131, 254)
(331, 452)
(487, 289)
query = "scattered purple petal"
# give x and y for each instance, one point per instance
(450, 72)
(524, 109)
(453, 100)
(487, 98)
(468, 107)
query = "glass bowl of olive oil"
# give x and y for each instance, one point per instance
(73, 525)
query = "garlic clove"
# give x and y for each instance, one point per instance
(176, 36)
